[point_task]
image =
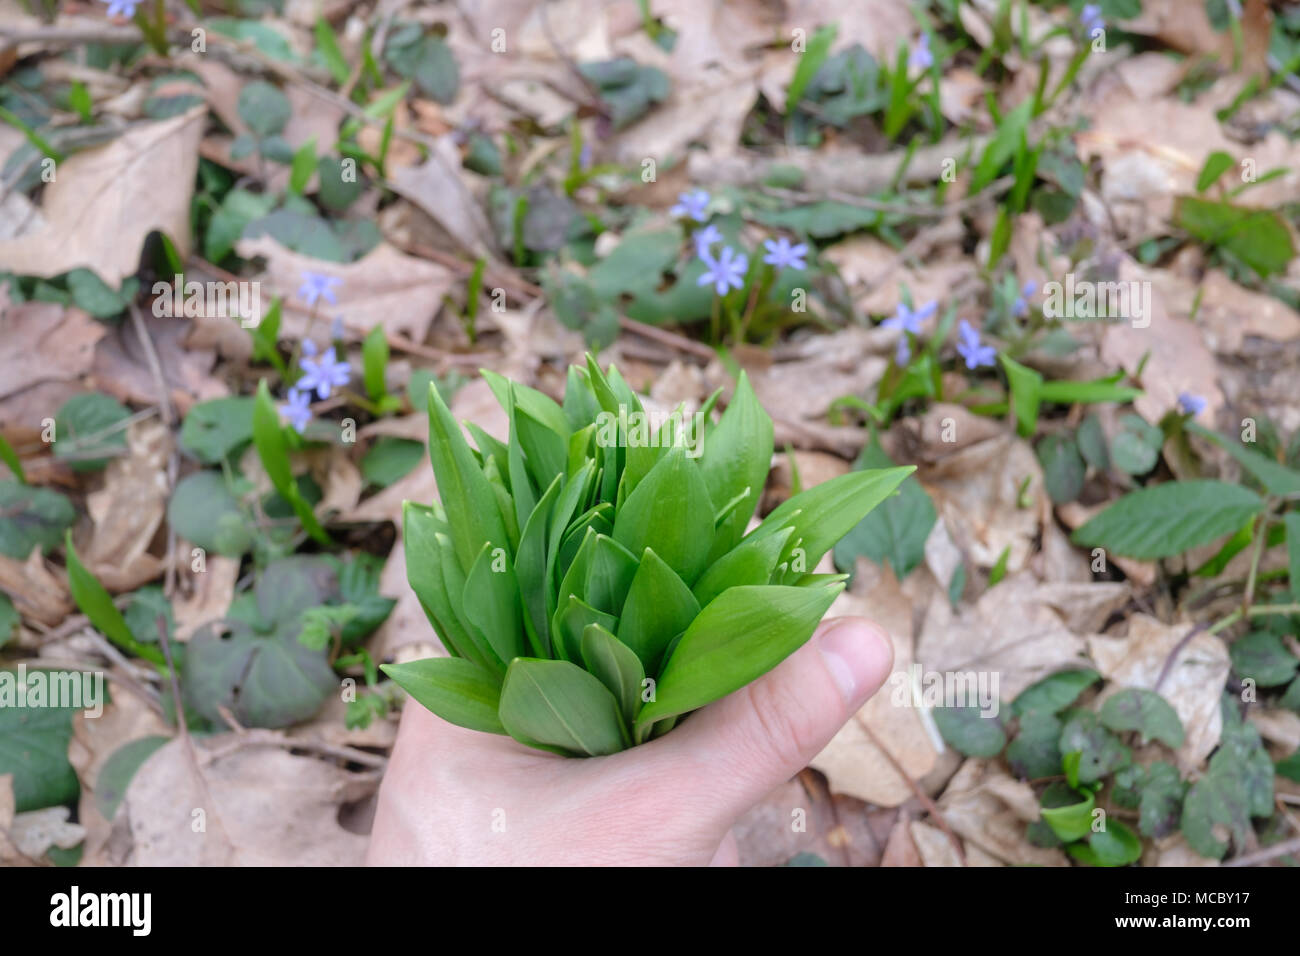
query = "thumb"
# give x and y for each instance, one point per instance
(739, 749)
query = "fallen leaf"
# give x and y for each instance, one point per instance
(1194, 683)
(36, 592)
(128, 510)
(990, 810)
(107, 199)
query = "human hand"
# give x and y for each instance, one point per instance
(453, 796)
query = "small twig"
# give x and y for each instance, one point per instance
(155, 366)
(1173, 654)
(665, 337)
(930, 806)
(1284, 848)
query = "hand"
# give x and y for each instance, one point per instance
(459, 797)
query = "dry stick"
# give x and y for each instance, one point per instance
(1173, 655)
(921, 795)
(188, 742)
(155, 366)
(1263, 856)
(270, 738)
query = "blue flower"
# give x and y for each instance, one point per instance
(782, 254)
(908, 320)
(725, 272)
(1021, 305)
(122, 8)
(704, 238)
(316, 287)
(297, 410)
(1090, 17)
(691, 205)
(1190, 404)
(323, 375)
(921, 56)
(904, 353)
(970, 348)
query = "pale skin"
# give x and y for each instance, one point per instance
(453, 796)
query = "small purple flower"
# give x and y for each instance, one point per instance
(323, 375)
(725, 272)
(921, 56)
(909, 320)
(1021, 305)
(691, 205)
(783, 254)
(970, 348)
(904, 353)
(297, 410)
(584, 157)
(1191, 404)
(1090, 17)
(705, 238)
(122, 8)
(308, 348)
(316, 286)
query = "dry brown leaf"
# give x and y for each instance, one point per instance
(1074, 515)
(202, 596)
(42, 342)
(852, 762)
(438, 186)
(989, 809)
(900, 850)
(1020, 647)
(1192, 687)
(1229, 313)
(121, 367)
(128, 510)
(978, 493)
(9, 854)
(35, 590)
(107, 199)
(933, 845)
(385, 287)
(269, 808)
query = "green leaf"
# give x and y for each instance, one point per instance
(31, 517)
(616, 665)
(1216, 164)
(9, 619)
(1135, 449)
(1099, 390)
(303, 165)
(491, 602)
(466, 494)
(751, 562)
(1100, 752)
(823, 514)
(268, 437)
(626, 88)
(119, 769)
(457, 690)
(1276, 478)
(1215, 803)
(1068, 811)
(1258, 237)
(1291, 521)
(1053, 694)
(390, 459)
(1063, 467)
(84, 426)
(559, 705)
(675, 486)
(374, 358)
(1113, 845)
(896, 531)
(1164, 520)
(421, 527)
(1161, 803)
(1262, 657)
(263, 108)
(810, 61)
(10, 458)
(34, 742)
(739, 636)
(969, 731)
(659, 607)
(737, 454)
(97, 604)
(1035, 752)
(1092, 443)
(214, 430)
(1135, 708)
(1026, 393)
(1006, 142)
(328, 46)
(204, 511)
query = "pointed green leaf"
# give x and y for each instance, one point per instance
(420, 529)
(457, 690)
(1160, 521)
(617, 667)
(97, 604)
(659, 607)
(574, 617)
(492, 602)
(737, 455)
(670, 512)
(1135, 708)
(740, 636)
(558, 704)
(750, 562)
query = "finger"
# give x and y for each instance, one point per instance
(728, 756)
(728, 852)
